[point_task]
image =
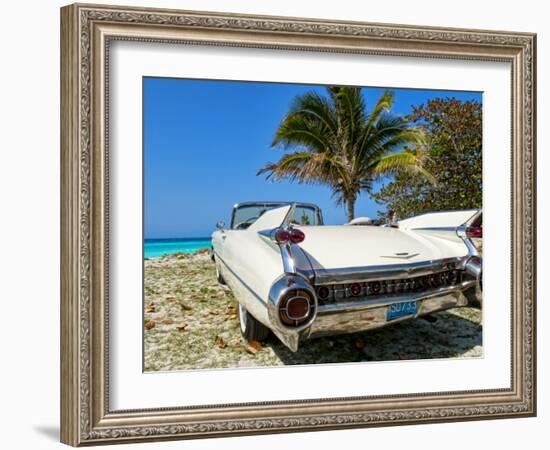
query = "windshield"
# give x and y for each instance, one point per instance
(245, 215)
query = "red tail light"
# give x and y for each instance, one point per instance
(296, 307)
(323, 292)
(474, 232)
(375, 287)
(355, 289)
(297, 236)
(283, 236)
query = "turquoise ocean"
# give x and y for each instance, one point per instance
(153, 248)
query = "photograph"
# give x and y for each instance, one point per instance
(296, 224)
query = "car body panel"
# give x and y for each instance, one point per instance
(262, 264)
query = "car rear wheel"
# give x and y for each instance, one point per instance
(251, 329)
(219, 276)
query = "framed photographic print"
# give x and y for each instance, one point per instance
(275, 224)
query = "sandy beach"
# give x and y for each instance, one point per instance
(191, 322)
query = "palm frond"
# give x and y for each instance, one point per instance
(297, 130)
(350, 111)
(306, 167)
(390, 134)
(384, 104)
(313, 105)
(407, 161)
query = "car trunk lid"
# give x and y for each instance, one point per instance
(335, 247)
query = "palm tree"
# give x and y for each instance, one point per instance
(335, 142)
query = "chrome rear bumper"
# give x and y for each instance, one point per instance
(351, 314)
(362, 315)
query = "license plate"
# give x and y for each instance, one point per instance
(398, 310)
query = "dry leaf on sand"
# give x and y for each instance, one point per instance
(256, 345)
(230, 310)
(253, 347)
(220, 343)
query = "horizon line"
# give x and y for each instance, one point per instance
(178, 237)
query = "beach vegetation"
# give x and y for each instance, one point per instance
(334, 140)
(454, 131)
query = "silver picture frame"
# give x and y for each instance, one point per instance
(86, 34)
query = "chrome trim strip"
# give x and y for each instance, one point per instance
(275, 202)
(434, 229)
(386, 271)
(461, 232)
(256, 296)
(289, 265)
(403, 256)
(288, 218)
(268, 234)
(473, 267)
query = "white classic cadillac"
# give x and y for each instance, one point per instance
(301, 279)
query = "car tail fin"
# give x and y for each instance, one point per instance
(443, 219)
(274, 218)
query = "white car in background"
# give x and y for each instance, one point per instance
(300, 279)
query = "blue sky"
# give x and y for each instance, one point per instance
(205, 140)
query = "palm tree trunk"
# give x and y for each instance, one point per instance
(350, 204)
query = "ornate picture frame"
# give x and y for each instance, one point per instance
(86, 34)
